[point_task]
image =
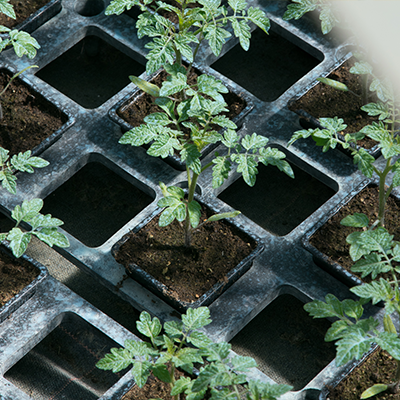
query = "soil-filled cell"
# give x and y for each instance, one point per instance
(287, 344)
(62, 365)
(95, 203)
(269, 67)
(277, 202)
(91, 72)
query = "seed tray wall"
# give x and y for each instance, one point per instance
(284, 267)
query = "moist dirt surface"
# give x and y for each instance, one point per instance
(380, 367)
(154, 389)
(23, 9)
(14, 276)
(323, 101)
(330, 239)
(135, 113)
(188, 272)
(28, 118)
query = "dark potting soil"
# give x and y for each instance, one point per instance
(135, 112)
(28, 118)
(23, 9)
(323, 101)
(330, 239)
(216, 248)
(379, 367)
(154, 389)
(14, 276)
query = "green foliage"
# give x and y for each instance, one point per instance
(23, 162)
(298, 8)
(181, 344)
(191, 115)
(42, 226)
(209, 21)
(22, 42)
(375, 252)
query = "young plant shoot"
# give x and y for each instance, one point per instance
(191, 114)
(42, 226)
(384, 132)
(378, 253)
(181, 345)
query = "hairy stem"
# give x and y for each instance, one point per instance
(192, 180)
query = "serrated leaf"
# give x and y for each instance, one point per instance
(206, 375)
(8, 181)
(353, 346)
(371, 264)
(52, 237)
(141, 371)
(163, 146)
(376, 291)
(242, 364)
(18, 241)
(336, 331)
(191, 156)
(221, 169)
(272, 156)
(23, 43)
(268, 391)
(352, 309)
(181, 385)
(196, 318)
(242, 31)
(116, 361)
(216, 38)
(298, 8)
(139, 135)
(364, 162)
(361, 68)
(390, 342)
(199, 339)
(377, 109)
(147, 326)
(328, 20)
(7, 9)
(258, 17)
(302, 134)
(247, 166)
(118, 6)
(175, 84)
(332, 307)
(254, 141)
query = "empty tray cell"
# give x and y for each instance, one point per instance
(269, 67)
(277, 202)
(287, 344)
(95, 203)
(62, 365)
(91, 72)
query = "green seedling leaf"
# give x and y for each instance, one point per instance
(334, 84)
(217, 217)
(376, 291)
(373, 391)
(196, 318)
(361, 68)
(181, 385)
(216, 38)
(258, 17)
(119, 6)
(8, 181)
(23, 43)
(18, 241)
(164, 145)
(141, 371)
(116, 361)
(356, 220)
(298, 8)
(221, 169)
(353, 345)
(247, 166)
(147, 87)
(147, 326)
(390, 342)
(242, 31)
(7, 9)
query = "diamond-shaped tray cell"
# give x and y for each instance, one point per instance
(63, 364)
(287, 344)
(96, 202)
(92, 71)
(269, 67)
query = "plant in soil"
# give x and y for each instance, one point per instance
(353, 333)
(182, 344)
(42, 226)
(383, 132)
(189, 113)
